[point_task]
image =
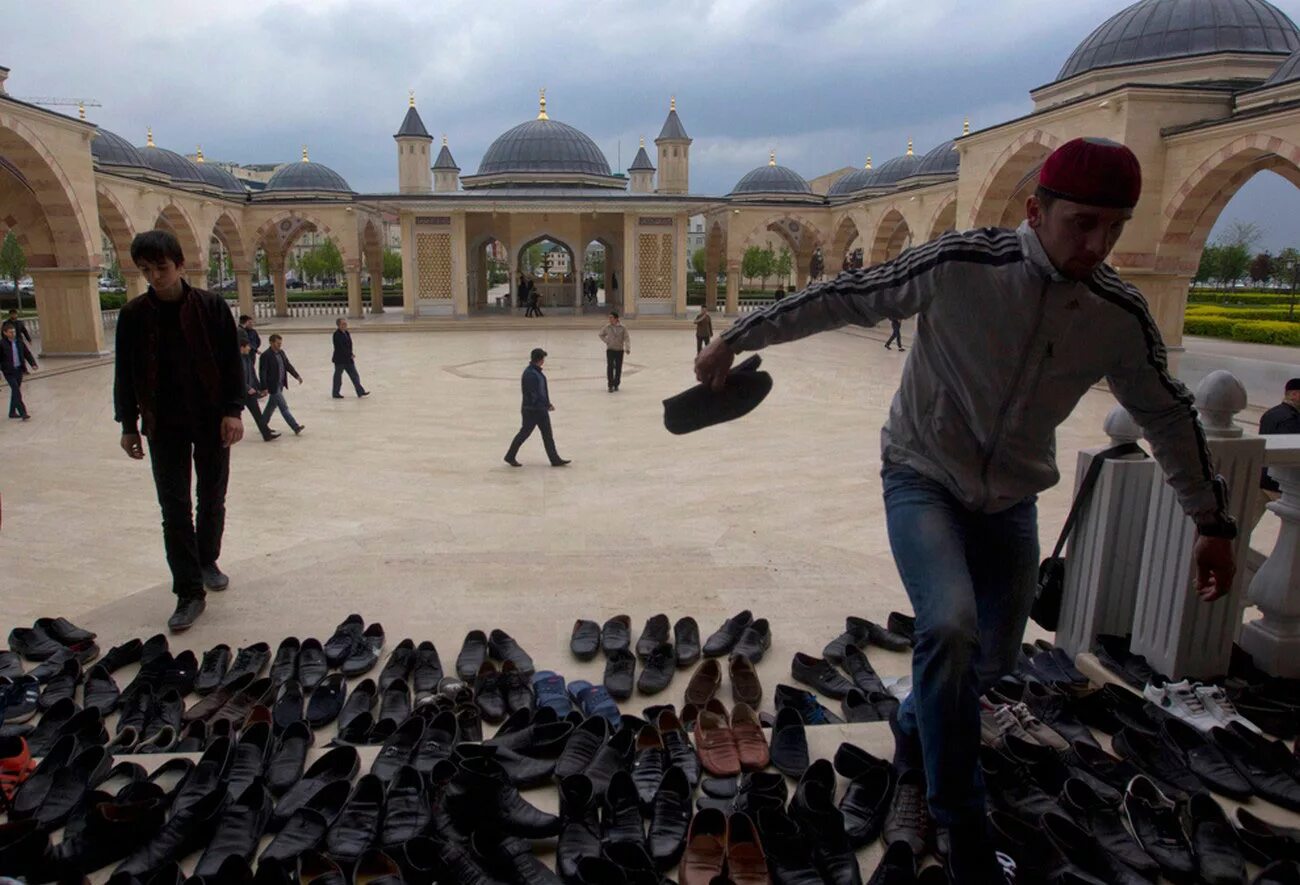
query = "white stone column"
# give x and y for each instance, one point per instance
(1103, 557)
(244, 288)
(733, 288)
(354, 293)
(1273, 641)
(67, 304)
(459, 271)
(629, 283)
(410, 273)
(680, 262)
(281, 287)
(1179, 634)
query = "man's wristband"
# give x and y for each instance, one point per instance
(1223, 528)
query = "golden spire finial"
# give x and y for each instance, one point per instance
(868, 166)
(411, 97)
(81, 109)
(444, 139)
(771, 158)
(200, 154)
(148, 136)
(672, 103)
(541, 102)
(965, 127)
(909, 147)
(643, 141)
(304, 154)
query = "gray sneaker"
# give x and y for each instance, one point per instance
(188, 609)
(214, 578)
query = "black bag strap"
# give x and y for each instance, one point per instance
(1090, 480)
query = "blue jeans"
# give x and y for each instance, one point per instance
(971, 578)
(276, 401)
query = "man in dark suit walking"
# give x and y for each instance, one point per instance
(344, 361)
(275, 370)
(252, 389)
(15, 357)
(536, 411)
(19, 325)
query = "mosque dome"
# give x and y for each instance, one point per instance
(181, 170)
(1288, 72)
(772, 179)
(220, 178)
(891, 172)
(541, 146)
(851, 183)
(1161, 30)
(306, 176)
(943, 160)
(111, 149)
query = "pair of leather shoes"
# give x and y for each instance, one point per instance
(724, 639)
(719, 845)
(820, 675)
(861, 633)
(728, 744)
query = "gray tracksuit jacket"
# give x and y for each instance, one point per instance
(1005, 348)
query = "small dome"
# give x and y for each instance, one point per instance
(851, 183)
(1159, 30)
(111, 149)
(772, 179)
(170, 163)
(1288, 72)
(891, 172)
(220, 178)
(943, 160)
(543, 146)
(307, 176)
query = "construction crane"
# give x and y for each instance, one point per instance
(47, 101)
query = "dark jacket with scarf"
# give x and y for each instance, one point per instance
(534, 388)
(210, 335)
(270, 371)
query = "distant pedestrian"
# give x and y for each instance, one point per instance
(1282, 418)
(703, 328)
(275, 370)
(15, 357)
(536, 410)
(19, 325)
(534, 299)
(246, 323)
(617, 343)
(895, 335)
(252, 390)
(344, 360)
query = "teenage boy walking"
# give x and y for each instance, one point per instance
(275, 370)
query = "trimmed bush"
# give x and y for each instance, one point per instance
(1267, 332)
(1251, 299)
(1210, 327)
(1277, 314)
(112, 300)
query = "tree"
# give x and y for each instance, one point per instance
(219, 266)
(783, 266)
(13, 264)
(1242, 233)
(1262, 268)
(330, 257)
(767, 265)
(751, 262)
(392, 264)
(1211, 261)
(699, 261)
(1234, 262)
(1288, 270)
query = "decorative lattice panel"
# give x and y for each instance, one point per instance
(655, 266)
(433, 266)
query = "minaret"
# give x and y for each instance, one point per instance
(413, 173)
(643, 172)
(446, 174)
(674, 154)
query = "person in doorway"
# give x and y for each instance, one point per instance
(19, 326)
(617, 343)
(275, 370)
(15, 360)
(344, 361)
(535, 299)
(247, 324)
(252, 391)
(703, 329)
(969, 440)
(536, 410)
(1282, 418)
(178, 383)
(895, 334)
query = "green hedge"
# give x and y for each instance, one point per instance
(1210, 327)
(1267, 332)
(1277, 314)
(1251, 299)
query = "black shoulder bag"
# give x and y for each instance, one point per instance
(1051, 573)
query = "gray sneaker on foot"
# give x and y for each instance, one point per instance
(188, 609)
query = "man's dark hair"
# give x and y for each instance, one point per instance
(1045, 197)
(13, 311)
(275, 338)
(339, 322)
(243, 318)
(156, 245)
(614, 314)
(7, 325)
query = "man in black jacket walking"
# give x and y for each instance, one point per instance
(15, 357)
(1282, 418)
(178, 381)
(252, 390)
(344, 361)
(275, 370)
(536, 411)
(19, 325)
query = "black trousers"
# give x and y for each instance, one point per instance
(250, 403)
(17, 408)
(614, 367)
(190, 539)
(895, 335)
(701, 343)
(351, 369)
(535, 418)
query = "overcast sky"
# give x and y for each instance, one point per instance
(823, 83)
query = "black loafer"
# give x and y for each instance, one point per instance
(33, 643)
(724, 639)
(755, 641)
(503, 647)
(427, 671)
(238, 831)
(288, 707)
(212, 671)
(473, 652)
(312, 665)
(819, 675)
(326, 701)
(790, 743)
(339, 646)
(286, 763)
(616, 635)
(653, 634)
(285, 665)
(407, 810)
(584, 641)
(398, 750)
(399, 664)
(338, 764)
(357, 826)
(64, 631)
(363, 699)
(686, 641)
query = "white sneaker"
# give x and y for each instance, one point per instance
(1180, 699)
(1218, 705)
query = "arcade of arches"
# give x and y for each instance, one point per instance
(1202, 125)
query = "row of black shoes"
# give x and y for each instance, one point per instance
(662, 648)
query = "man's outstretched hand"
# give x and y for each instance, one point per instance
(1215, 567)
(713, 364)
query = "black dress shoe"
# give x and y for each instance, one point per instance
(1215, 842)
(33, 643)
(70, 785)
(790, 743)
(657, 673)
(1153, 820)
(356, 829)
(250, 659)
(285, 665)
(427, 670)
(188, 829)
(670, 819)
(338, 764)
(516, 688)
(473, 652)
(724, 639)
(109, 832)
(326, 701)
(286, 761)
(1266, 778)
(238, 832)
(582, 746)
(789, 850)
(60, 686)
(250, 757)
(305, 831)
(908, 819)
(339, 646)
(365, 652)
(653, 634)
(212, 671)
(819, 675)
(398, 750)
(1081, 849)
(407, 811)
(312, 664)
(363, 700)
(288, 707)
(865, 803)
(188, 609)
(686, 641)
(1204, 759)
(614, 756)
(503, 647)
(621, 815)
(580, 834)
(678, 746)
(616, 634)
(488, 693)
(121, 655)
(1156, 760)
(399, 664)
(755, 641)
(897, 866)
(1262, 841)
(1281, 872)
(1097, 766)
(481, 792)
(903, 625)
(649, 762)
(584, 641)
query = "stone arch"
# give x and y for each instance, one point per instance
(21, 212)
(779, 223)
(944, 218)
(116, 223)
(560, 293)
(1009, 180)
(227, 231)
(278, 233)
(173, 218)
(1196, 205)
(75, 240)
(892, 236)
(843, 235)
(715, 257)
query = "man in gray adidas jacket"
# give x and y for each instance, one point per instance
(1013, 328)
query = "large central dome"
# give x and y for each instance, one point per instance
(542, 146)
(1160, 30)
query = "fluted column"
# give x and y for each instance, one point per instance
(1273, 641)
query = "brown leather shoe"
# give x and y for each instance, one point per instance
(213, 702)
(706, 849)
(745, 687)
(237, 709)
(716, 745)
(746, 863)
(705, 682)
(751, 745)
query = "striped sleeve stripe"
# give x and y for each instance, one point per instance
(987, 246)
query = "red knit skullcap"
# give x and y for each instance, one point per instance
(1095, 172)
